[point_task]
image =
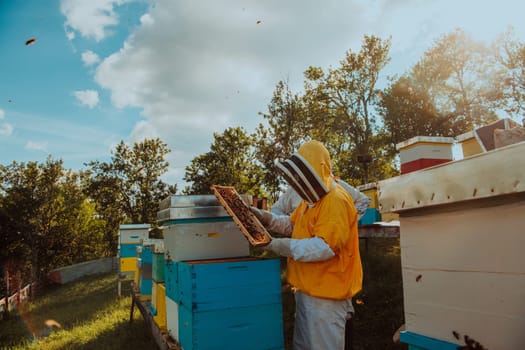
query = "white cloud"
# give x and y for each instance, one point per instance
(36, 146)
(90, 58)
(91, 18)
(87, 97)
(194, 68)
(6, 129)
(143, 130)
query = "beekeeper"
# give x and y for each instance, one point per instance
(324, 264)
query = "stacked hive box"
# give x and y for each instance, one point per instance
(482, 139)
(372, 213)
(158, 292)
(145, 266)
(216, 295)
(130, 237)
(421, 152)
(462, 258)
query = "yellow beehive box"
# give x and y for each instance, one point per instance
(128, 264)
(469, 144)
(370, 190)
(160, 297)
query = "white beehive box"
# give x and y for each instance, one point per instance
(133, 233)
(172, 318)
(462, 248)
(211, 239)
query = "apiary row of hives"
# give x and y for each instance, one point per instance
(205, 290)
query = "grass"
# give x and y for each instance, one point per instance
(90, 314)
(92, 317)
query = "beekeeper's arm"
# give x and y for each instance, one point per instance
(361, 200)
(304, 250)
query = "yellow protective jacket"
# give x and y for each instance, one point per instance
(334, 219)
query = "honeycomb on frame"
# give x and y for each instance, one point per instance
(250, 226)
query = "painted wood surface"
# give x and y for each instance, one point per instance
(204, 240)
(172, 318)
(464, 272)
(133, 233)
(158, 266)
(237, 284)
(486, 175)
(128, 250)
(255, 327)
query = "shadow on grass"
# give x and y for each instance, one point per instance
(72, 303)
(123, 335)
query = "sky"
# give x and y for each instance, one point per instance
(103, 71)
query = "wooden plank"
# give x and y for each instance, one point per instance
(161, 337)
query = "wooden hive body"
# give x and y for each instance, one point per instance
(462, 240)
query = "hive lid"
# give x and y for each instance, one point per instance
(495, 173)
(133, 226)
(191, 213)
(184, 201)
(424, 139)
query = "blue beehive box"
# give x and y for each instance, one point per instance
(420, 342)
(171, 280)
(371, 215)
(221, 300)
(128, 250)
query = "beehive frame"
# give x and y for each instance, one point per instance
(248, 223)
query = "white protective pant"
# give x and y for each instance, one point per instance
(320, 323)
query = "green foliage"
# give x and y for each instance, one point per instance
(456, 73)
(46, 220)
(287, 129)
(128, 189)
(230, 162)
(338, 109)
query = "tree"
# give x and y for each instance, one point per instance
(340, 106)
(455, 73)
(40, 209)
(128, 188)
(230, 162)
(509, 81)
(286, 131)
(408, 110)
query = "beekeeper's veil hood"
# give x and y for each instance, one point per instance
(308, 171)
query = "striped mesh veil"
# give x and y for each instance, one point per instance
(302, 177)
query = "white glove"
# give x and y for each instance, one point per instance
(304, 250)
(275, 223)
(264, 216)
(281, 246)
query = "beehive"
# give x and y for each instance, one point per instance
(221, 300)
(198, 227)
(158, 264)
(129, 238)
(421, 152)
(462, 242)
(158, 304)
(482, 139)
(372, 213)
